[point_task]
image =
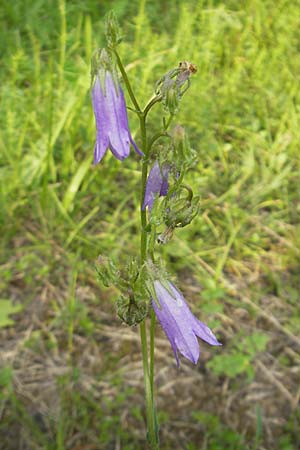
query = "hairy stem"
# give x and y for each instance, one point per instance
(127, 83)
(148, 374)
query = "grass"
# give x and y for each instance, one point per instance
(71, 373)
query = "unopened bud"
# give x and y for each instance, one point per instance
(112, 30)
(171, 99)
(171, 85)
(180, 211)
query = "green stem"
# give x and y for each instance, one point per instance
(150, 412)
(148, 373)
(143, 188)
(167, 124)
(148, 376)
(127, 83)
(156, 137)
(151, 103)
(152, 330)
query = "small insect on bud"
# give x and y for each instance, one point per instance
(185, 65)
(186, 69)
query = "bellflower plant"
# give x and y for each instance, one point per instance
(165, 201)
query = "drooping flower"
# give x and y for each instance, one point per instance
(179, 323)
(157, 183)
(111, 120)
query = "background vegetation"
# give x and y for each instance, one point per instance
(70, 372)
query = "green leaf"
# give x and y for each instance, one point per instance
(254, 343)
(7, 308)
(229, 365)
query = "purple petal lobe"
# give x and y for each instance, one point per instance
(100, 148)
(165, 184)
(138, 151)
(202, 331)
(157, 183)
(116, 108)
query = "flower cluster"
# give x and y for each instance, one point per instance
(178, 322)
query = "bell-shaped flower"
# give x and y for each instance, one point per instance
(111, 119)
(157, 183)
(178, 322)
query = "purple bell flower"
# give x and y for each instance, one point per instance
(157, 183)
(179, 323)
(111, 120)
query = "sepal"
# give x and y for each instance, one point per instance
(132, 308)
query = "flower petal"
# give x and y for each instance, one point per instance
(102, 122)
(101, 146)
(111, 120)
(157, 183)
(176, 322)
(179, 323)
(138, 151)
(116, 109)
(165, 183)
(202, 331)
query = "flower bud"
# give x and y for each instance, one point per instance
(180, 211)
(186, 69)
(172, 98)
(112, 30)
(171, 86)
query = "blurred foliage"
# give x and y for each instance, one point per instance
(217, 435)
(239, 360)
(6, 309)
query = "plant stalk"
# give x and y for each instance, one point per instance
(148, 375)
